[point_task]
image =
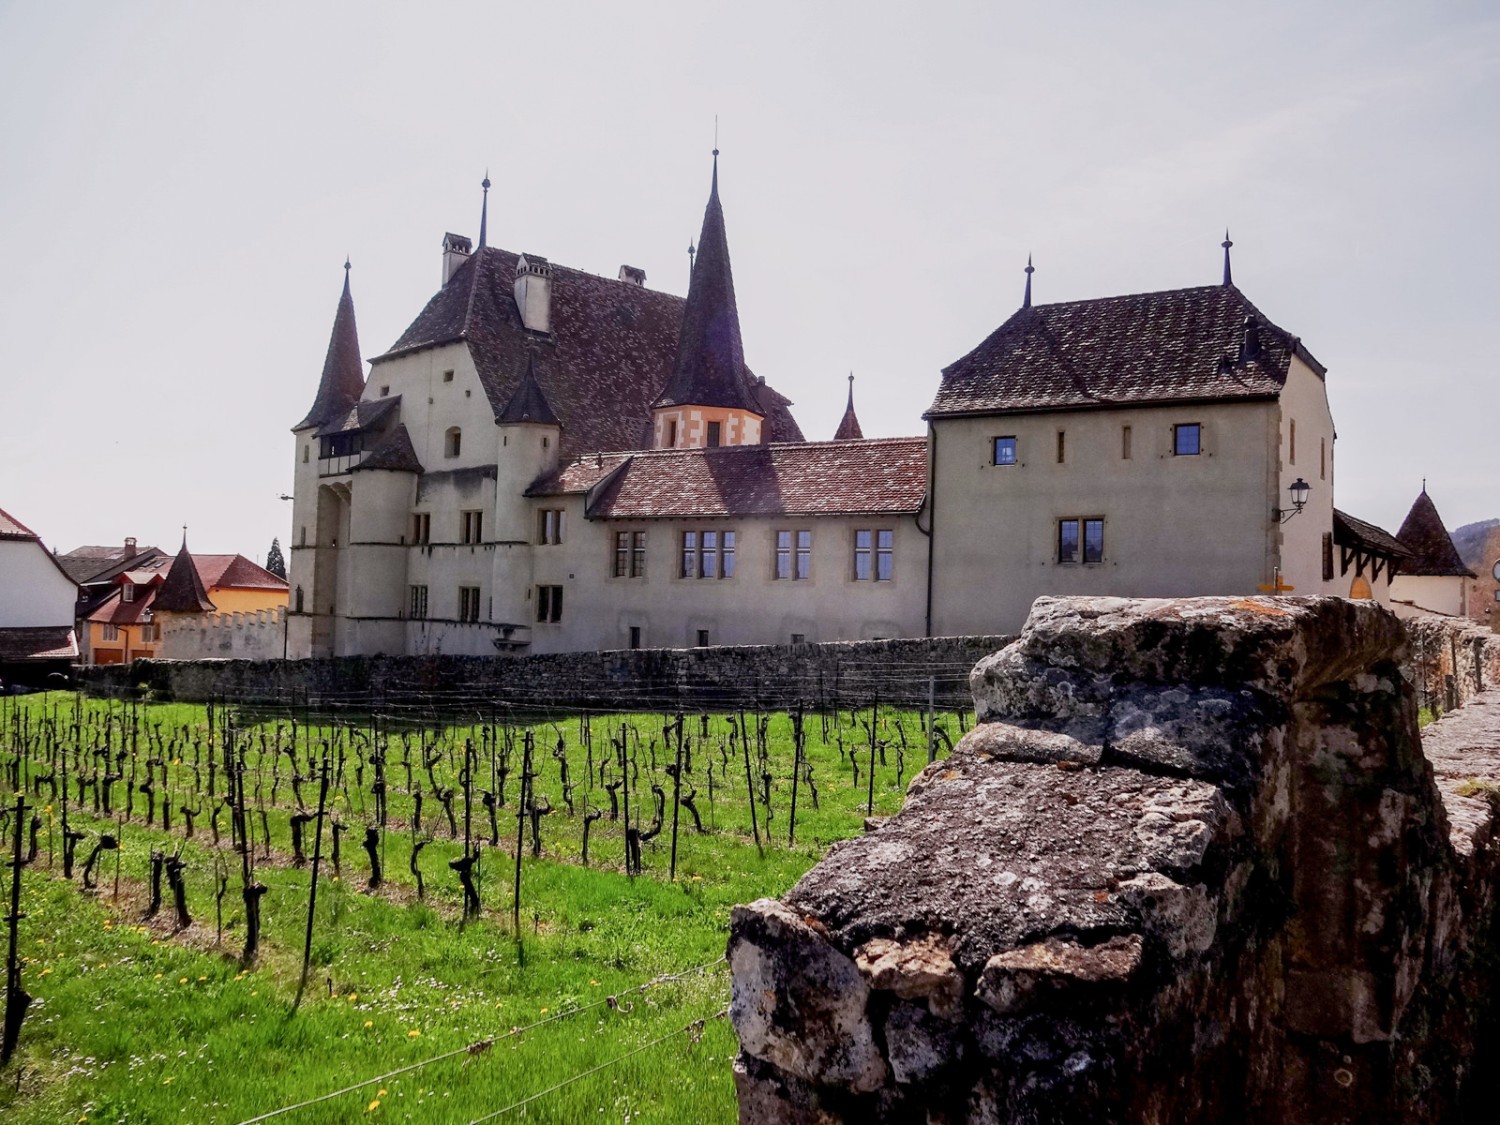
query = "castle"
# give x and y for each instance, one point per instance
(548, 460)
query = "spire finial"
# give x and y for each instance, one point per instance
(484, 209)
(1227, 243)
(184, 537)
(1030, 269)
(715, 189)
(691, 252)
(346, 263)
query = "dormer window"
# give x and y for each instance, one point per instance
(127, 593)
(452, 442)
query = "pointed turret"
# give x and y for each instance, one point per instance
(343, 370)
(182, 591)
(849, 426)
(529, 404)
(709, 394)
(1423, 534)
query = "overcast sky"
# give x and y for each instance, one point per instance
(181, 183)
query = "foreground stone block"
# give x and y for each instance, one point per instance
(1191, 866)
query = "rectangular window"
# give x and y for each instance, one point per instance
(635, 636)
(473, 526)
(799, 638)
(874, 554)
(637, 554)
(1093, 540)
(127, 593)
(713, 434)
(421, 527)
(707, 554)
(1062, 446)
(148, 634)
(1125, 443)
(622, 555)
(468, 603)
(702, 638)
(1327, 556)
(1292, 443)
(418, 602)
(1067, 541)
(549, 526)
(1187, 439)
(111, 633)
(672, 434)
(794, 555)
(447, 376)
(549, 604)
(1005, 451)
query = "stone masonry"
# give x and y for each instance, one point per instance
(1192, 866)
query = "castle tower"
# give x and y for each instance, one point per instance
(708, 400)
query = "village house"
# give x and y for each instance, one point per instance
(547, 460)
(36, 608)
(1433, 579)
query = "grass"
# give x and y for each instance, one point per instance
(134, 1022)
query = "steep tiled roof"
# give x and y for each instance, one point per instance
(609, 354)
(371, 415)
(849, 424)
(1176, 346)
(97, 563)
(12, 528)
(115, 610)
(47, 642)
(218, 571)
(529, 404)
(343, 378)
(710, 366)
(880, 476)
(1351, 532)
(578, 475)
(183, 591)
(1432, 551)
(395, 453)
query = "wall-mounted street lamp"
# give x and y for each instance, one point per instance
(1299, 489)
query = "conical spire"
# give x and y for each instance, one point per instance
(710, 367)
(849, 426)
(1423, 534)
(182, 591)
(529, 404)
(484, 210)
(1228, 278)
(1030, 269)
(343, 378)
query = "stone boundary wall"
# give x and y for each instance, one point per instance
(254, 635)
(1451, 660)
(852, 673)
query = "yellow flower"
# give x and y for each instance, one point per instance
(594, 983)
(254, 992)
(182, 980)
(202, 978)
(373, 1106)
(381, 1094)
(158, 976)
(353, 996)
(46, 971)
(544, 1011)
(369, 1023)
(414, 1033)
(167, 1081)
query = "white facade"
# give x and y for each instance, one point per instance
(35, 592)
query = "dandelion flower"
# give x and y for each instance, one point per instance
(182, 980)
(414, 1033)
(373, 1106)
(202, 978)
(369, 1023)
(158, 976)
(381, 1094)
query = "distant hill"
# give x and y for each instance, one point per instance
(1469, 540)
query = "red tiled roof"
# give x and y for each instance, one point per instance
(114, 610)
(610, 352)
(47, 642)
(12, 528)
(219, 571)
(1176, 346)
(878, 476)
(1432, 551)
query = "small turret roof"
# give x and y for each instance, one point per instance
(343, 379)
(849, 425)
(529, 404)
(1433, 553)
(182, 591)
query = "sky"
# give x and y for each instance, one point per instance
(181, 184)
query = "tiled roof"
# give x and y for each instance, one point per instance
(219, 571)
(12, 528)
(1432, 551)
(1351, 532)
(183, 591)
(578, 475)
(395, 453)
(529, 404)
(343, 379)
(115, 610)
(709, 369)
(47, 642)
(372, 415)
(609, 354)
(879, 476)
(1181, 345)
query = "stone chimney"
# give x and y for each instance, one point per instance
(456, 251)
(129, 547)
(534, 293)
(634, 275)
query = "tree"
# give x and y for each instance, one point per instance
(274, 562)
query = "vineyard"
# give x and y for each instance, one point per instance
(453, 912)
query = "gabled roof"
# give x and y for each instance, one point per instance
(529, 404)
(372, 415)
(43, 642)
(396, 453)
(883, 476)
(222, 571)
(578, 475)
(12, 528)
(1351, 532)
(1181, 345)
(709, 369)
(1432, 551)
(610, 353)
(183, 591)
(849, 424)
(343, 379)
(90, 564)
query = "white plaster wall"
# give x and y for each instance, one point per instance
(1173, 526)
(34, 591)
(260, 635)
(1428, 593)
(1304, 400)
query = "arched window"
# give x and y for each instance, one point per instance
(452, 442)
